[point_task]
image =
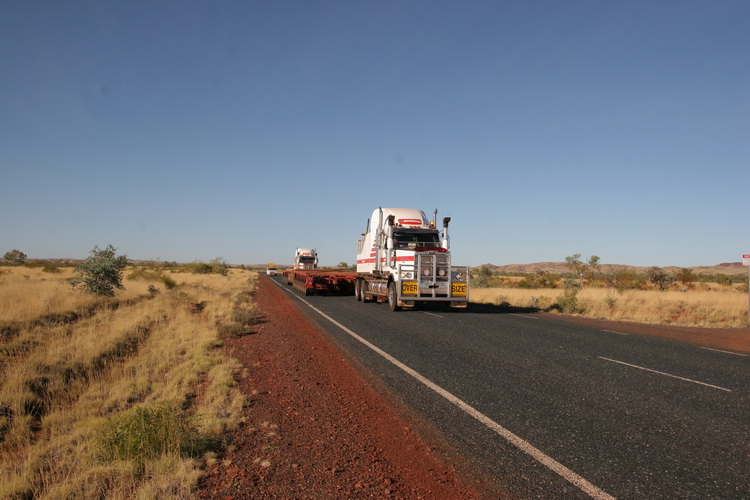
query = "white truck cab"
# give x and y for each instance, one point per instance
(305, 258)
(404, 259)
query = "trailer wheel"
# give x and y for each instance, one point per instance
(393, 298)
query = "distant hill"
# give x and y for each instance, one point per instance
(561, 267)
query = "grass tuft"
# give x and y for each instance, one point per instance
(150, 432)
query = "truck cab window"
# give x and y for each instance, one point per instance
(410, 241)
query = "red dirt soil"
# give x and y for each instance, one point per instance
(315, 428)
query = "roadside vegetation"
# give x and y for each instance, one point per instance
(117, 392)
(656, 296)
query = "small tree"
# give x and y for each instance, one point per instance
(568, 301)
(581, 270)
(483, 278)
(219, 266)
(685, 276)
(576, 267)
(15, 256)
(659, 277)
(624, 279)
(593, 268)
(100, 273)
(541, 279)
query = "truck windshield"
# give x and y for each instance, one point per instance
(413, 240)
(307, 259)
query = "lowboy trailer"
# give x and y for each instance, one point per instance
(321, 282)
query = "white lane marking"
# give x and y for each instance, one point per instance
(666, 374)
(725, 352)
(619, 333)
(432, 314)
(518, 442)
(523, 316)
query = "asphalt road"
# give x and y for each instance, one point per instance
(554, 410)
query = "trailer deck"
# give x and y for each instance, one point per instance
(321, 281)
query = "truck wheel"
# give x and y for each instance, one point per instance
(358, 290)
(363, 291)
(393, 298)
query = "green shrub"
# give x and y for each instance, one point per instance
(219, 266)
(145, 274)
(16, 257)
(567, 303)
(168, 282)
(541, 279)
(483, 278)
(660, 277)
(232, 331)
(611, 302)
(101, 272)
(49, 267)
(245, 316)
(199, 268)
(149, 432)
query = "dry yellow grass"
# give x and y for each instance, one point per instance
(63, 381)
(28, 294)
(719, 307)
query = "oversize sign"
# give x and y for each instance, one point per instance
(408, 288)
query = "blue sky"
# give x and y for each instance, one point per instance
(186, 130)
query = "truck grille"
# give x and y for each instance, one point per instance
(431, 277)
(432, 267)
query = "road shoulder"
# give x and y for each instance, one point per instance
(314, 427)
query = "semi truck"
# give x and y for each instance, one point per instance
(305, 258)
(404, 259)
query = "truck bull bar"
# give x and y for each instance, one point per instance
(431, 278)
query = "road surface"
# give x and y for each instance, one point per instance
(557, 410)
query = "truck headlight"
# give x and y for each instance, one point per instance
(441, 272)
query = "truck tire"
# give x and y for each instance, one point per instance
(393, 298)
(363, 291)
(358, 290)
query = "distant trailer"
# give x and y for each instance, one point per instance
(321, 282)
